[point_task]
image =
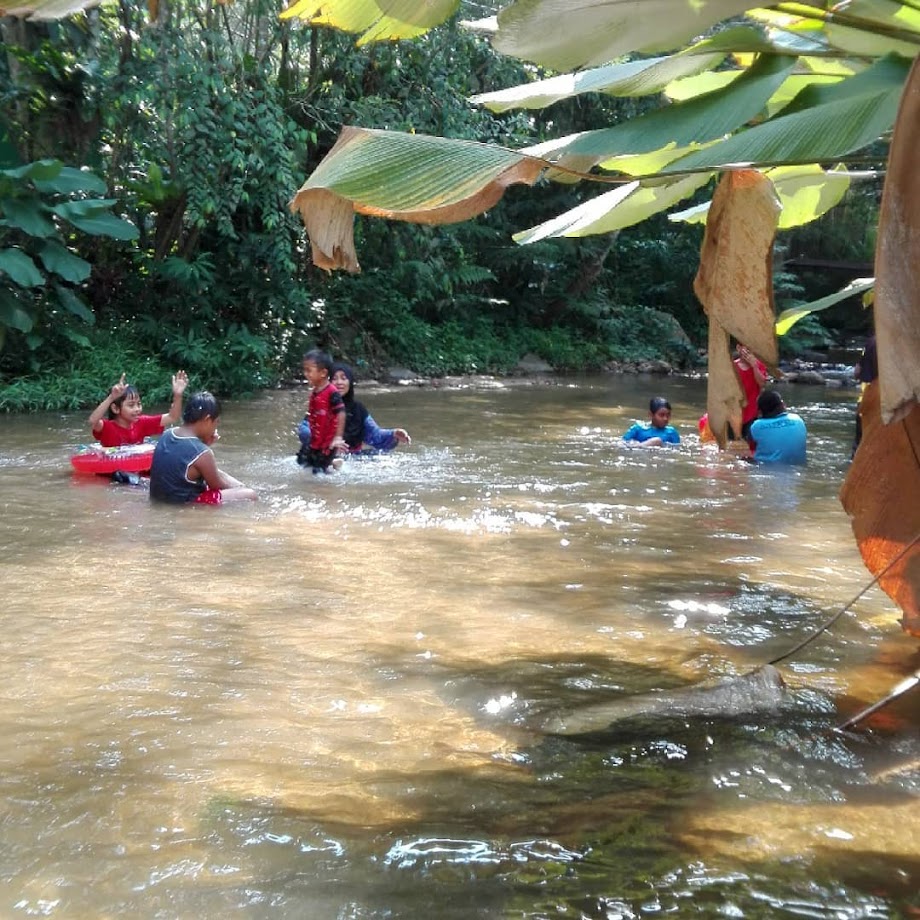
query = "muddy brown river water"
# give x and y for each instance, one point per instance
(325, 704)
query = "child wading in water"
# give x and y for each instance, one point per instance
(362, 434)
(325, 415)
(117, 420)
(184, 469)
(657, 431)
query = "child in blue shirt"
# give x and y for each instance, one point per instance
(657, 431)
(779, 435)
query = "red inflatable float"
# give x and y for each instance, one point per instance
(130, 458)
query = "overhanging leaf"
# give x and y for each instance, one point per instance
(20, 268)
(378, 20)
(882, 480)
(693, 215)
(788, 318)
(634, 78)
(794, 85)
(832, 67)
(699, 85)
(805, 193)
(598, 32)
(852, 33)
(403, 176)
(858, 28)
(735, 278)
(83, 207)
(41, 170)
(829, 123)
(92, 216)
(12, 314)
(724, 396)
(48, 10)
(646, 164)
(616, 209)
(897, 255)
(697, 121)
(70, 302)
(72, 180)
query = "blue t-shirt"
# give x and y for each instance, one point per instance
(780, 439)
(644, 432)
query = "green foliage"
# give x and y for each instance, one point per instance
(83, 382)
(640, 333)
(239, 363)
(486, 346)
(654, 263)
(204, 126)
(41, 205)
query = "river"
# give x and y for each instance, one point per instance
(326, 704)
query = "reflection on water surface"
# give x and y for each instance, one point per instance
(323, 705)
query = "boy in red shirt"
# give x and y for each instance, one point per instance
(117, 420)
(325, 413)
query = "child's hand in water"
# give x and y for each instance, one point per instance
(402, 435)
(119, 388)
(179, 383)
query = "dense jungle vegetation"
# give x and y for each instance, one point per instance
(198, 128)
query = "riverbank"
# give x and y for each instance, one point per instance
(532, 372)
(83, 388)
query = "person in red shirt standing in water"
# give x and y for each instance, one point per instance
(752, 375)
(325, 413)
(117, 420)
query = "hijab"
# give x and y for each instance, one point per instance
(355, 413)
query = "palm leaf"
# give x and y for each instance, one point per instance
(788, 318)
(829, 122)
(405, 176)
(377, 20)
(697, 121)
(634, 78)
(805, 193)
(599, 32)
(616, 209)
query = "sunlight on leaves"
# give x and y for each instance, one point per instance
(634, 78)
(805, 193)
(48, 10)
(698, 121)
(616, 209)
(788, 318)
(377, 20)
(597, 33)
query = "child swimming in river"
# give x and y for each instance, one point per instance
(657, 431)
(184, 470)
(117, 420)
